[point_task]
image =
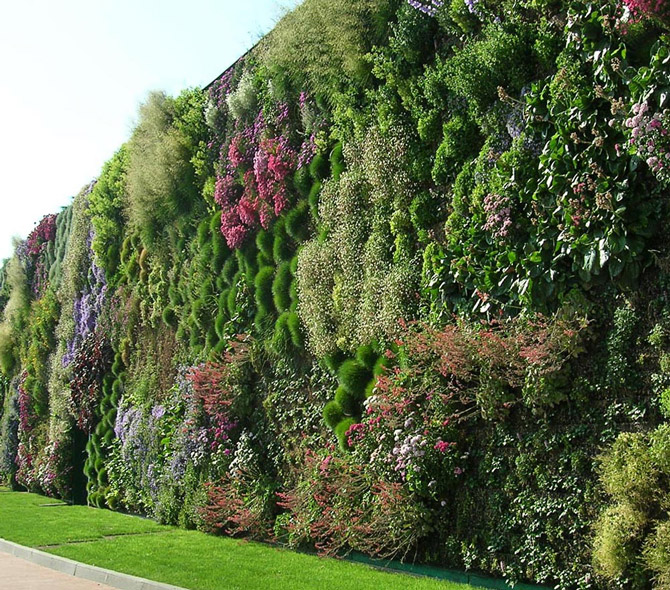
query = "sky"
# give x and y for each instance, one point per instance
(73, 73)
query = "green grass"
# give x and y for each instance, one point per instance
(36, 521)
(184, 558)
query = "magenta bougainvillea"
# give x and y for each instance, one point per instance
(641, 9)
(256, 160)
(252, 190)
(44, 233)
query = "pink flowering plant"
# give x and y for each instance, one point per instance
(641, 10)
(257, 158)
(650, 138)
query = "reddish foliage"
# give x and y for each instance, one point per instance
(228, 510)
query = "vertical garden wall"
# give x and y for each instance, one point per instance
(396, 282)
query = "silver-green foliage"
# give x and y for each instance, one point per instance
(14, 313)
(353, 283)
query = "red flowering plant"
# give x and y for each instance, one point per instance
(91, 362)
(412, 430)
(221, 387)
(33, 253)
(337, 506)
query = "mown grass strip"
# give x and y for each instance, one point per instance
(189, 559)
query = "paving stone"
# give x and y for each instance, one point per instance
(18, 574)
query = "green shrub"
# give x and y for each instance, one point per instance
(617, 540)
(319, 168)
(230, 267)
(349, 402)
(628, 472)
(302, 181)
(381, 366)
(498, 57)
(169, 317)
(263, 285)
(354, 377)
(281, 340)
(232, 301)
(222, 303)
(282, 248)
(203, 232)
(295, 327)
(313, 199)
(367, 356)
(332, 414)
(263, 320)
(322, 45)
(264, 242)
(461, 141)
(263, 259)
(161, 179)
(656, 555)
(659, 448)
(337, 161)
(281, 287)
(220, 325)
(334, 360)
(341, 432)
(297, 222)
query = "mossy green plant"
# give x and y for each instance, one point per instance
(264, 242)
(282, 247)
(297, 222)
(302, 181)
(367, 356)
(337, 165)
(354, 377)
(319, 168)
(281, 287)
(332, 414)
(349, 402)
(295, 327)
(263, 286)
(334, 360)
(281, 339)
(341, 432)
(313, 200)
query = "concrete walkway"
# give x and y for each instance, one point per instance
(18, 574)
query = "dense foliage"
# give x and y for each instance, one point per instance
(395, 282)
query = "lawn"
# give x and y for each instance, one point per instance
(184, 558)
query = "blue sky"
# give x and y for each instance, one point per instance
(73, 72)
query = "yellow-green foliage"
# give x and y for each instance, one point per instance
(13, 315)
(633, 532)
(628, 471)
(657, 556)
(617, 538)
(322, 43)
(107, 204)
(161, 180)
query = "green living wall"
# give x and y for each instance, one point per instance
(396, 282)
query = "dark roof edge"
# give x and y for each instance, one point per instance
(230, 67)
